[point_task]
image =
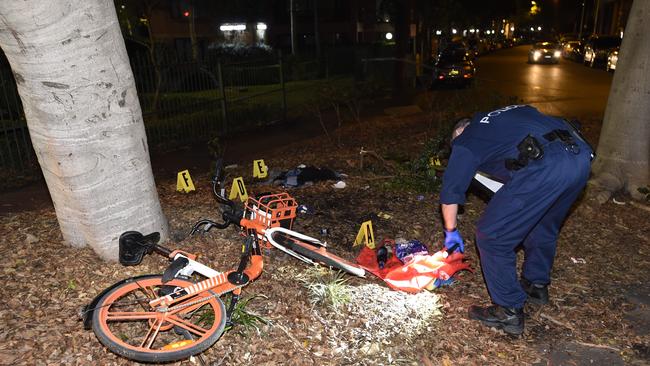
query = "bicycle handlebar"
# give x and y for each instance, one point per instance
(217, 184)
(230, 215)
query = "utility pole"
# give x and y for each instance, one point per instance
(316, 31)
(293, 27)
(596, 15)
(195, 45)
(582, 20)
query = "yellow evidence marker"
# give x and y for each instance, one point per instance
(435, 162)
(365, 235)
(238, 189)
(184, 182)
(259, 169)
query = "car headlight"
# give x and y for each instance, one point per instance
(537, 54)
(556, 54)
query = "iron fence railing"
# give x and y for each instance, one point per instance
(182, 102)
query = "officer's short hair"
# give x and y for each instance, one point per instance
(459, 125)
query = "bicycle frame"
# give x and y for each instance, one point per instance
(219, 282)
(268, 236)
(175, 298)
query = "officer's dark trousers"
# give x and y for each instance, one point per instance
(529, 210)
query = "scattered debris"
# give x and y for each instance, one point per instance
(339, 185)
(305, 175)
(30, 239)
(384, 215)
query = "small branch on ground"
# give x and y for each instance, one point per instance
(375, 178)
(555, 321)
(640, 205)
(617, 350)
(292, 338)
(388, 165)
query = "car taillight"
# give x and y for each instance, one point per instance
(441, 76)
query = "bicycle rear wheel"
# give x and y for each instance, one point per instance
(125, 323)
(317, 253)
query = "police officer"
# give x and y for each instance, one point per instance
(544, 163)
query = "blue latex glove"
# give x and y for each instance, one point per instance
(453, 238)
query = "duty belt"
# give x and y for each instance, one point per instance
(567, 139)
(531, 149)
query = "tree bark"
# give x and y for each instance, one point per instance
(624, 146)
(84, 118)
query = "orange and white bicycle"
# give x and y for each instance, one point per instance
(170, 317)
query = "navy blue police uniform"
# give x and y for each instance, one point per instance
(530, 208)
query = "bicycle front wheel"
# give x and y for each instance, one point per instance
(124, 322)
(317, 253)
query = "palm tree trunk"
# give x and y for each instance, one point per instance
(623, 161)
(84, 118)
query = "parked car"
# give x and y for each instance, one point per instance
(612, 59)
(459, 47)
(567, 37)
(454, 68)
(544, 52)
(598, 47)
(571, 50)
(473, 46)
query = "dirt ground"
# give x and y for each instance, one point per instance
(600, 295)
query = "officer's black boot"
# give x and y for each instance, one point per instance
(537, 294)
(511, 320)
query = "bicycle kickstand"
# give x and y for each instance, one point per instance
(234, 298)
(239, 278)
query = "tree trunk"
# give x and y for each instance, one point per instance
(84, 118)
(624, 146)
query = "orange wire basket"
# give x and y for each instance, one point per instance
(271, 210)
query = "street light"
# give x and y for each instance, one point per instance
(454, 31)
(389, 36)
(539, 28)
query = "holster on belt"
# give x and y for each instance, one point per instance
(529, 149)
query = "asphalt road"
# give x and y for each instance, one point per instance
(566, 89)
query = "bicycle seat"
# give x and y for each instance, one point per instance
(134, 245)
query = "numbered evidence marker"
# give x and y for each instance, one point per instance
(365, 235)
(434, 162)
(238, 189)
(259, 169)
(184, 182)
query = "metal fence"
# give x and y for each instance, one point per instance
(188, 102)
(182, 102)
(17, 158)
